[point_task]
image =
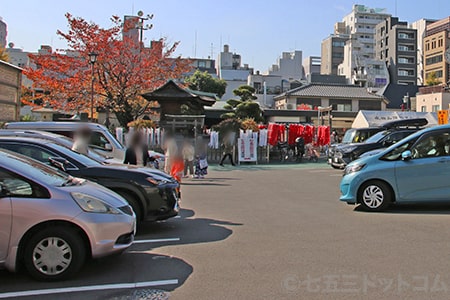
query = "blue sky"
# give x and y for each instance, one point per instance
(258, 30)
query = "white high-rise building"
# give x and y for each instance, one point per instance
(359, 50)
(289, 66)
(421, 27)
(230, 69)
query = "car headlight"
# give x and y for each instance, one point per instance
(155, 181)
(353, 168)
(92, 204)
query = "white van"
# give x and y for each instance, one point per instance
(102, 140)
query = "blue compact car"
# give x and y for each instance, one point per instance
(415, 169)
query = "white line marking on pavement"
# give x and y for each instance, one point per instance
(177, 217)
(156, 241)
(89, 288)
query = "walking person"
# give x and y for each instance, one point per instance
(188, 153)
(137, 152)
(227, 149)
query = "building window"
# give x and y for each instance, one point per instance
(438, 73)
(434, 60)
(405, 72)
(341, 105)
(435, 108)
(406, 60)
(440, 42)
(370, 105)
(402, 82)
(338, 44)
(405, 47)
(427, 46)
(308, 104)
(405, 35)
(423, 108)
(433, 44)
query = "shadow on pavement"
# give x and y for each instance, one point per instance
(140, 263)
(130, 267)
(420, 209)
(190, 230)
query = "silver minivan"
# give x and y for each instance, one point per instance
(101, 140)
(51, 222)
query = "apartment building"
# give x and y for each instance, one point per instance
(396, 45)
(332, 54)
(359, 50)
(436, 42)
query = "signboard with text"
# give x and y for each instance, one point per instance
(442, 117)
(247, 150)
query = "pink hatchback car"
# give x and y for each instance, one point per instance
(51, 222)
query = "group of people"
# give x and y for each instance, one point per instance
(180, 162)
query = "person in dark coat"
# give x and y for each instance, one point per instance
(137, 152)
(227, 150)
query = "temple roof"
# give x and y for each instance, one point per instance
(173, 92)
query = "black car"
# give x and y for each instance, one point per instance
(353, 135)
(152, 196)
(393, 132)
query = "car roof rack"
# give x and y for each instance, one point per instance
(419, 122)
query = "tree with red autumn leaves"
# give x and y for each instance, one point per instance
(124, 69)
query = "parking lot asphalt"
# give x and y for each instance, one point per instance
(268, 232)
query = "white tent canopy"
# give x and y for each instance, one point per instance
(370, 118)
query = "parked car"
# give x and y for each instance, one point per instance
(393, 132)
(51, 222)
(104, 146)
(59, 139)
(101, 140)
(353, 135)
(153, 195)
(413, 170)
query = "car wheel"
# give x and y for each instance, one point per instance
(54, 254)
(375, 196)
(335, 167)
(133, 203)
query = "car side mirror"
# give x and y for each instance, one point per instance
(406, 155)
(108, 147)
(59, 163)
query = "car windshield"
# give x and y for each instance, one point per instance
(36, 170)
(80, 158)
(348, 136)
(377, 137)
(113, 140)
(68, 142)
